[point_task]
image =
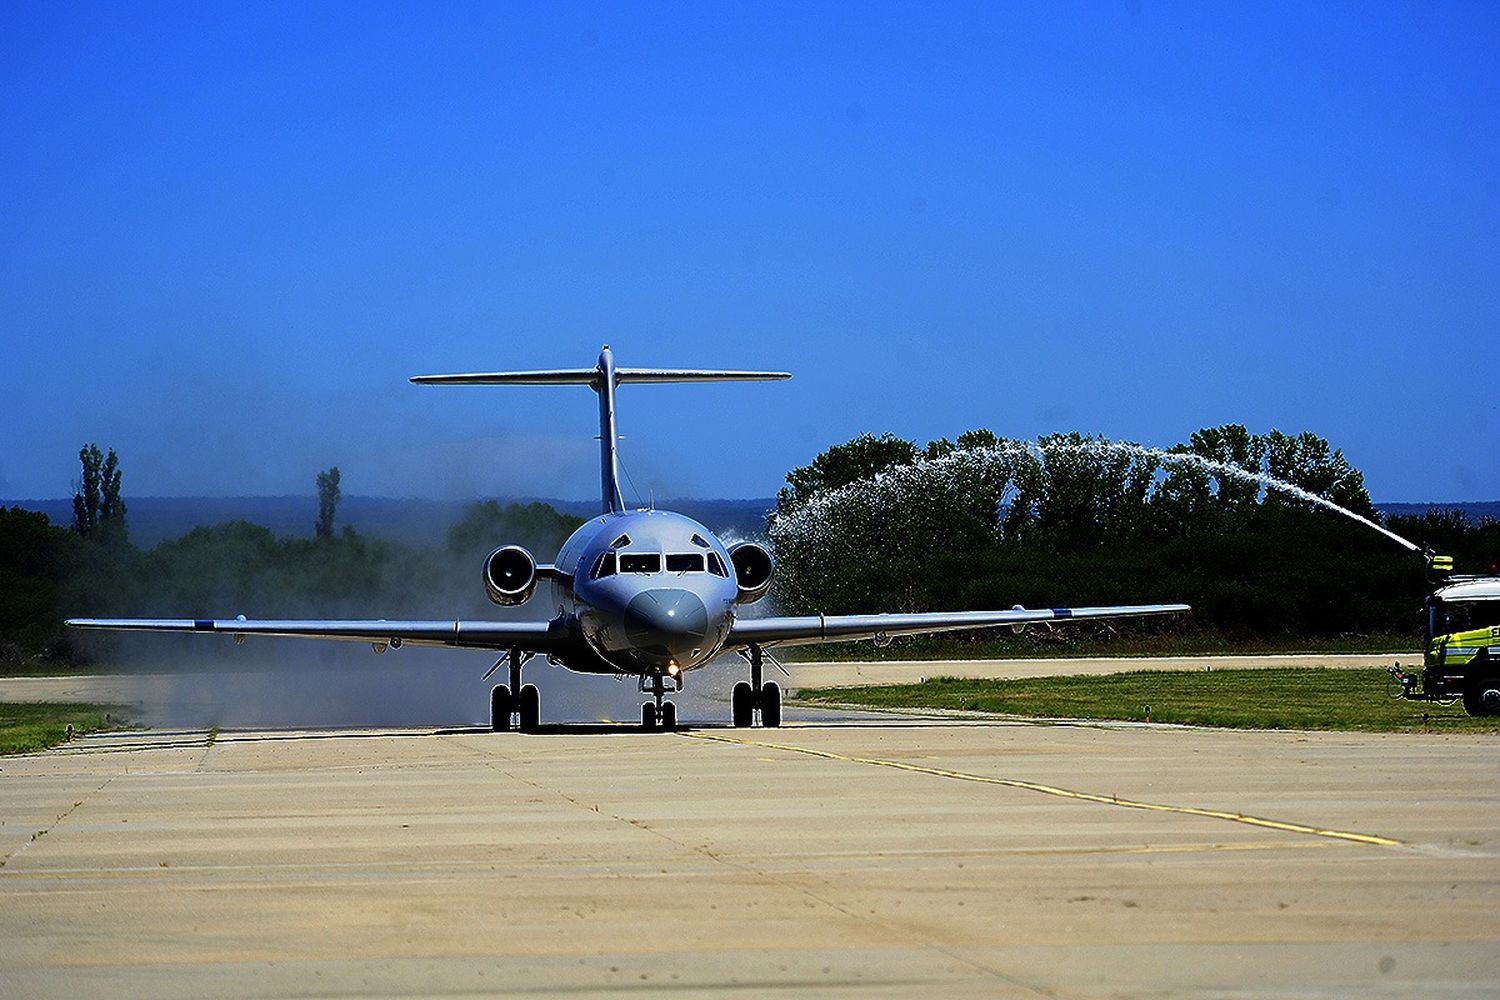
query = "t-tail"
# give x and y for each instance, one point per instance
(602, 378)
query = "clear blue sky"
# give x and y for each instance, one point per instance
(228, 234)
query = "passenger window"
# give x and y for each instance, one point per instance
(686, 562)
(640, 562)
(716, 565)
(605, 565)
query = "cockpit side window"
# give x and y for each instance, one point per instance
(640, 562)
(604, 565)
(716, 565)
(685, 562)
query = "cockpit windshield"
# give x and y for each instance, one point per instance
(685, 562)
(640, 562)
(612, 561)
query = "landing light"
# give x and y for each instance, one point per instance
(673, 668)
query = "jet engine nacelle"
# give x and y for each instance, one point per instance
(509, 575)
(754, 569)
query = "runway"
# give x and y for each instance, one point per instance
(868, 856)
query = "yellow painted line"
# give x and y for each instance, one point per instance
(1068, 793)
(1069, 852)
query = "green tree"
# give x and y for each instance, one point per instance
(98, 510)
(328, 501)
(863, 458)
(1306, 460)
(1233, 445)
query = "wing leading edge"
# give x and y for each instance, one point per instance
(835, 628)
(536, 637)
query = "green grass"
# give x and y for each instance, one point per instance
(26, 727)
(1314, 698)
(1068, 641)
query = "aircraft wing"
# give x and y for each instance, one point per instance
(536, 637)
(836, 628)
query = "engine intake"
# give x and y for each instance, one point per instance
(753, 568)
(509, 575)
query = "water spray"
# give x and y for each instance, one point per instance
(1224, 469)
(1002, 457)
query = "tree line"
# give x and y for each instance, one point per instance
(875, 524)
(50, 572)
(881, 524)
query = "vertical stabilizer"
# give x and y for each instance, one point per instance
(609, 458)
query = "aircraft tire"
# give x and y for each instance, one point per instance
(648, 717)
(530, 707)
(742, 705)
(500, 708)
(669, 715)
(770, 705)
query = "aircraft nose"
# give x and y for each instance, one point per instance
(666, 622)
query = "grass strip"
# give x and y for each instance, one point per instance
(1292, 698)
(27, 727)
(1072, 641)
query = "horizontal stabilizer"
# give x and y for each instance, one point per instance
(590, 377)
(623, 375)
(560, 376)
(602, 378)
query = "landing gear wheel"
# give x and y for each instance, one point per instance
(742, 705)
(1483, 698)
(669, 716)
(770, 705)
(530, 708)
(648, 717)
(500, 708)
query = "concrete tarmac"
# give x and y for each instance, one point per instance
(859, 857)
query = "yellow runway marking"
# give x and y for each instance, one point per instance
(1067, 793)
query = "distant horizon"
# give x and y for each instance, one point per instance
(128, 498)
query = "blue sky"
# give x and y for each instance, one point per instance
(230, 233)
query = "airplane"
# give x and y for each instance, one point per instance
(646, 593)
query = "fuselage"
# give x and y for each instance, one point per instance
(645, 592)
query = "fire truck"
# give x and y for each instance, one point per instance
(1461, 658)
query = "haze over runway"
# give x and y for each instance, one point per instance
(232, 233)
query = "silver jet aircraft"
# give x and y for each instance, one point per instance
(644, 593)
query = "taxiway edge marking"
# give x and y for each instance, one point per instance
(1068, 793)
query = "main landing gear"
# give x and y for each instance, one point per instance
(764, 696)
(521, 710)
(660, 714)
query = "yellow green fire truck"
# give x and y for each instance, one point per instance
(1462, 652)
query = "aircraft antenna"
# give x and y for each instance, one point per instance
(630, 479)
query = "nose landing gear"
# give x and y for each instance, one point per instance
(514, 703)
(660, 714)
(758, 695)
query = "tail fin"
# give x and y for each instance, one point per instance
(602, 378)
